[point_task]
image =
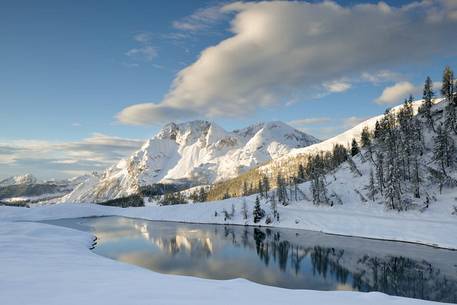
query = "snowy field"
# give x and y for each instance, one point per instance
(44, 264)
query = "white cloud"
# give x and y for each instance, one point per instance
(56, 158)
(147, 53)
(309, 121)
(201, 19)
(397, 93)
(337, 86)
(381, 76)
(280, 48)
(143, 37)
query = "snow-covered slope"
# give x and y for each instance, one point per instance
(196, 152)
(14, 180)
(344, 138)
(27, 188)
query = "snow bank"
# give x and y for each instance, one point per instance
(436, 227)
(44, 264)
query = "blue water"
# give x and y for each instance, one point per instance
(292, 259)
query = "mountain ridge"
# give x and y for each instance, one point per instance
(194, 153)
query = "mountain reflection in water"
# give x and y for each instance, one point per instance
(277, 257)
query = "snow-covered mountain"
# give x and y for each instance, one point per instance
(344, 138)
(193, 153)
(28, 188)
(15, 180)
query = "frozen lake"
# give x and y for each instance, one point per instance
(294, 259)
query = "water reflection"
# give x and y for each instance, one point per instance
(277, 257)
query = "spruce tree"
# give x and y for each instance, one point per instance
(244, 209)
(260, 188)
(354, 147)
(245, 188)
(444, 149)
(365, 138)
(266, 185)
(447, 90)
(447, 87)
(301, 173)
(426, 108)
(258, 212)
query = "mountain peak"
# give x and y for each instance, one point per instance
(195, 152)
(23, 179)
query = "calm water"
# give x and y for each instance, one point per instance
(277, 257)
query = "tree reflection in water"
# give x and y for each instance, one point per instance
(277, 257)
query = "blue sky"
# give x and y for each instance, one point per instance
(84, 83)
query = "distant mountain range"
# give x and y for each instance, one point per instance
(192, 153)
(28, 188)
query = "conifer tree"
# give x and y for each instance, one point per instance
(447, 87)
(244, 209)
(392, 192)
(365, 138)
(266, 185)
(258, 212)
(444, 149)
(260, 188)
(426, 108)
(301, 173)
(354, 147)
(380, 171)
(372, 187)
(281, 190)
(245, 188)
(447, 90)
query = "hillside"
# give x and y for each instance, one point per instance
(288, 165)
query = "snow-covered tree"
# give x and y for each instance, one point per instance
(354, 147)
(447, 90)
(244, 209)
(365, 138)
(444, 149)
(426, 107)
(372, 190)
(258, 213)
(266, 185)
(281, 190)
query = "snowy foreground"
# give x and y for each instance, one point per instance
(44, 264)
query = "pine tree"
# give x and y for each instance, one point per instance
(447, 90)
(281, 190)
(244, 209)
(426, 108)
(301, 173)
(392, 192)
(266, 185)
(202, 195)
(416, 152)
(354, 147)
(316, 171)
(372, 187)
(258, 212)
(447, 87)
(365, 138)
(260, 188)
(380, 171)
(444, 149)
(339, 155)
(245, 188)
(273, 205)
(377, 130)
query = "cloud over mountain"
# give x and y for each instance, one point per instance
(281, 48)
